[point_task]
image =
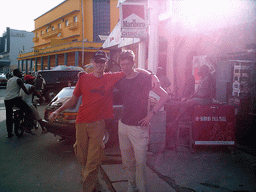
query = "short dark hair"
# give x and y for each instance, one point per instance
(101, 55)
(16, 72)
(127, 54)
(204, 68)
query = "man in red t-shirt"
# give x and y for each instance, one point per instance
(97, 105)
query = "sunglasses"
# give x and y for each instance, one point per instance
(99, 61)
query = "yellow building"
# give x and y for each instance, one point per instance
(69, 34)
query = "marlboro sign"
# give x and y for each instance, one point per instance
(133, 20)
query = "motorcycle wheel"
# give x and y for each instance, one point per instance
(18, 129)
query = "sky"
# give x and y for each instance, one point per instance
(20, 14)
(206, 15)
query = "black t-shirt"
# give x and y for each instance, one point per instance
(38, 83)
(135, 93)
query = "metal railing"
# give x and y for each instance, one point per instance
(51, 33)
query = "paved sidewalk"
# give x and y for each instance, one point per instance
(210, 169)
(113, 178)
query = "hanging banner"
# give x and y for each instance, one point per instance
(133, 20)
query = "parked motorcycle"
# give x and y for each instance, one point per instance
(22, 122)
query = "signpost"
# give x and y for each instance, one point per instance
(133, 20)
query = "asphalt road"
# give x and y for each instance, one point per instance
(36, 163)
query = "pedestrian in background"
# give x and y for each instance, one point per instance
(164, 81)
(189, 86)
(39, 83)
(12, 98)
(133, 127)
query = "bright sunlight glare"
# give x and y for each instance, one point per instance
(207, 15)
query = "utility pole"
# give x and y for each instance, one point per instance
(142, 50)
(82, 7)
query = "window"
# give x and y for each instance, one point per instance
(47, 30)
(52, 28)
(41, 32)
(36, 34)
(75, 19)
(101, 19)
(66, 23)
(59, 25)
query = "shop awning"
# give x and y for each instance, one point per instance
(114, 39)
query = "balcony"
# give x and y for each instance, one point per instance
(29, 54)
(73, 25)
(35, 39)
(51, 33)
(60, 49)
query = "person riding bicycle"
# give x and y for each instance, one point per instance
(28, 98)
(12, 98)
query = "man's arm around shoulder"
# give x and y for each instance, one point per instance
(155, 81)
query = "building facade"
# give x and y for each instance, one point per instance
(69, 34)
(12, 43)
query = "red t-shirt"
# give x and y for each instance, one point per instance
(97, 99)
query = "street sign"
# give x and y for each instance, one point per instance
(133, 20)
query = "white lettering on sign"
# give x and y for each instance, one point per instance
(134, 24)
(138, 33)
(214, 142)
(222, 119)
(129, 33)
(208, 118)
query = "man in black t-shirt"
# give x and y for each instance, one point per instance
(133, 126)
(39, 83)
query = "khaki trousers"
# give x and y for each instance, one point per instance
(133, 141)
(89, 151)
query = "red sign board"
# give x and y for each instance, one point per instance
(133, 20)
(214, 125)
